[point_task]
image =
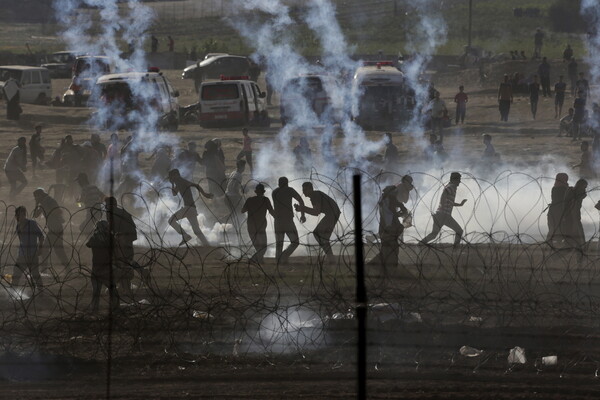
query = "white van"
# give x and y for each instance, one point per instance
(386, 99)
(35, 86)
(131, 99)
(232, 101)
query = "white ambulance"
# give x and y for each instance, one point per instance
(231, 101)
(386, 100)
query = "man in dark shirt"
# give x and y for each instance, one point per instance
(559, 96)
(31, 240)
(505, 97)
(534, 95)
(578, 115)
(583, 86)
(46, 205)
(184, 187)
(391, 157)
(321, 204)
(36, 151)
(186, 161)
(284, 219)
(544, 72)
(257, 208)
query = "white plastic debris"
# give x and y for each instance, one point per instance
(517, 356)
(202, 315)
(549, 360)
(469, 351)
(236, 347)
(475, 319)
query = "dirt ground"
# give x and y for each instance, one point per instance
(160, 352)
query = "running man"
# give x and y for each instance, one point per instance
(257, 208)
(443, 215)
(184, 187)
(321, 204)
(284, 219)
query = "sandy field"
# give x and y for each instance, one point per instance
(211, 324)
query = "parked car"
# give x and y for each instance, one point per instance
(35, 86)
(86, 71)
(215, 67)
(60, 64)
(232, 101)
(132, 99)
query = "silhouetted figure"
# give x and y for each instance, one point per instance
(566, 123)
(556, 207)
(31, 240)
(153, 44)
(161, 166)
(443, 215)
(184, 187)
(303, 155)
(214, 162)
(583, 86)
(544, 73)
(505, 98)
(91, 198)
(578, 115)
(100, 242)
(13, 100)
(568, 53)
(235, 191)
(461, 99)
(437, 108)
(124, 231)
(571, 226)
(538, 41)
(69, 163)
(257, 208)
(586, 165)
(98, 145)
(186, 161)
(560, 88)
(48, 207)
(171, 43)
(489, 153)
(246, 149)
(284, 219)
(390, 227)
(391, 157)
(15, 166)
(36, 151)
(321, 204)
(534, 95)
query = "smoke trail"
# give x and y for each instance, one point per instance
(590, 9)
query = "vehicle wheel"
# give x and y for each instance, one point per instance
(190, 117)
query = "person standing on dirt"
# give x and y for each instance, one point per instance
(100, 243)
(98, 145)
(583, 86)
(13, 100)
(36, 151)
(113, 158)
(586, 165)
(284, 219)
(91, 198)
(257, 208)
(505, 98)
(171, 44)
(69, 164)
(246, 149)
(303, 155)
(534, 95)
(153, 44)
(235, 191)
(390, 227)
(568, 53)
(214, 164)
(556, 207)
(186, 161)
(544, 73)
(443, 215)
(391, 158)
(566, 123)
(572, 73)
(48, 207)
(560, 88)
(15, 166)
(124, 231)
(31, 240)
(489, 153)
(461, 100)
(437, 108)
(538, 41)
(571, 226)
(321, 204)
(578, 115)
(184, 187)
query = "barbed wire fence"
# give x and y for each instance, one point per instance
(203, 301)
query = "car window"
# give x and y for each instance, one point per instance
(35, 77)
(45, 76)
(220, 92)
(26, 78)
(6, 74)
